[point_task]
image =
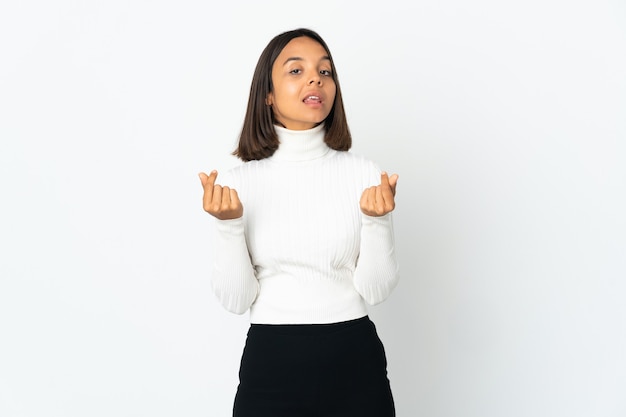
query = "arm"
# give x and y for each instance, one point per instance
(232, 276)
(376, 273)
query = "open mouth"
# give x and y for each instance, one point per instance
(312, 100)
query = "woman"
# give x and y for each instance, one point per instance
(304, 241)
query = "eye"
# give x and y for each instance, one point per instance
(327, 73)
(295, 71)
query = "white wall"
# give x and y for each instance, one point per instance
(506, 123)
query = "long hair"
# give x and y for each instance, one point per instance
(258, 138)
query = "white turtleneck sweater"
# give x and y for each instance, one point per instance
(303, 252)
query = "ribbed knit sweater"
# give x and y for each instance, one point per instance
(303, 252)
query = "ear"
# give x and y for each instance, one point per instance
(269, 99)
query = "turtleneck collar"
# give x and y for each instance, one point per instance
(300, 145)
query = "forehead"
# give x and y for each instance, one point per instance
(302, 47)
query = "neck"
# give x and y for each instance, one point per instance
(300, 145)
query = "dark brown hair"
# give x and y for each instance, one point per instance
(258, 139)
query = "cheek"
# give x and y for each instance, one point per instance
(332, 93)
(291, 90)
(286, 91)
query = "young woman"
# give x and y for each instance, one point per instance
(304, 241)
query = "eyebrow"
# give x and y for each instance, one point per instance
(297, 58)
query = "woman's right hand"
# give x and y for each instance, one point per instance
(220, 202)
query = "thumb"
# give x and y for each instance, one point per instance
(204, 178)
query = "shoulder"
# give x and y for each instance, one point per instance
(244, 168)
(358, 165)
(356, 160)
(243, 173)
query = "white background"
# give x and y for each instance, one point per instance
(505, 120)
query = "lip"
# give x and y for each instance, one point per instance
(313, 93)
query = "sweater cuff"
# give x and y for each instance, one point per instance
(373, 220)
(231, 226)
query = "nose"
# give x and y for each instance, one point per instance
(315, 79)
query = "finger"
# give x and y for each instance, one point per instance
(203, 178)
(234, 197)
(393, 182)
(236, 204)
(208, 182)
(367, 199)
(380, 199)
(225, 201)
(389, 191)
(216, 202)
(211, 178)
(387, 197)
(384, 179)
(363, 202)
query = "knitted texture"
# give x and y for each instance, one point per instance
(303, 252)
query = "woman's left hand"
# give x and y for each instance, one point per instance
(379, 200)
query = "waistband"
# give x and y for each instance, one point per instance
(309, 329)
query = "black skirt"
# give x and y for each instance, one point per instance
(321, 370)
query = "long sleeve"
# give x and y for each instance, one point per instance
(303, 252)
(376, 272)
(232, 275)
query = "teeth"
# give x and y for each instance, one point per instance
(312, 98)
